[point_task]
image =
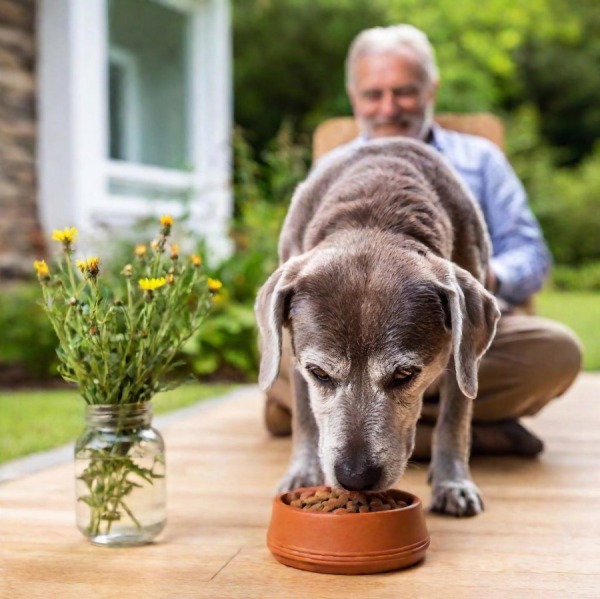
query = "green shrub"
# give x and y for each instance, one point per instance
(565, 200)
(27, 341)
(585, 278)
(567, 207)
(226, 345)
(289, 57)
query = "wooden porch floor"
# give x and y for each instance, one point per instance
(539, 535)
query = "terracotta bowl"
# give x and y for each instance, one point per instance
(363, 543)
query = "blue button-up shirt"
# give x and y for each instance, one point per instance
(521, 259)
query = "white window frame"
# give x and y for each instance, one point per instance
(127, 62)
(74, 168)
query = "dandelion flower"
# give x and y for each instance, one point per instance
(90, 266)
(93, 266)
(214, 284)
(66, 236)
(152, 284)
(171, 279)
(42, 269)
(141, 250)
(196, 260)
(174, 251)
(166, 222)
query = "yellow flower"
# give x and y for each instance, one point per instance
(66, 236)
(91, 266)
(214, 285)
(166, 222)
(174, 251)
(141, 250)
(42, 269)
(170, 279)
(195, 260)
(152, 284)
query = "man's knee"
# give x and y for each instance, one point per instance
(560, 356)
(533, 361)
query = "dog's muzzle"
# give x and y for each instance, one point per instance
(357, 475)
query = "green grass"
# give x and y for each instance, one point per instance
(581, 312)
(33, 421)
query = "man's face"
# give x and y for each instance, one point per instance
(391, 96)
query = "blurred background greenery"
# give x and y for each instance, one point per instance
(535, 64)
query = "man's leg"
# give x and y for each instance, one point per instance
(531, 361)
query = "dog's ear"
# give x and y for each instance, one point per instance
(271, 309)
(473, 314)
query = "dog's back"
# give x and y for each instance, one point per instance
(400, 186)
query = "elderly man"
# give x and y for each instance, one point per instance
(392, 80)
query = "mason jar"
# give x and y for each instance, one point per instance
(120, 476)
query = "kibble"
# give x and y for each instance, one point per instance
(338, 501)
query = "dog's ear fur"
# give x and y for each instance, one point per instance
(473, 314)
(271, 309)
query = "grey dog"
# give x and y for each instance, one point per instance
(383, 255)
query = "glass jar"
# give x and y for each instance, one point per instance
(120, 476)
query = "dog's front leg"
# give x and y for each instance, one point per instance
(305, 468)
(453, 491)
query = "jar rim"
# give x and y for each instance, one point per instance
(120, 416)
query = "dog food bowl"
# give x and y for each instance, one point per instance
(358, 543)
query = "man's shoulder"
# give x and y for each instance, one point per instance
(466, 150)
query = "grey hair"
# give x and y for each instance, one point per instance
(393, 38)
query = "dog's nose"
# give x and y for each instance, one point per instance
(357, 477)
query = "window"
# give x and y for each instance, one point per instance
(141, 118)
(148, 84)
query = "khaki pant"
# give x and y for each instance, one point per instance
(531, 361)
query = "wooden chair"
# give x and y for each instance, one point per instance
(337, 131)
(340, 130)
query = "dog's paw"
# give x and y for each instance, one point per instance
(301, 475)
(458, 498)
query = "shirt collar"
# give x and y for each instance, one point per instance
(435, 138)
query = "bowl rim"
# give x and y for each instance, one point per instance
(414, 504)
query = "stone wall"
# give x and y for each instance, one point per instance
(20, 235)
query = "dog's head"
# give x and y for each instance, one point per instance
(371, 330)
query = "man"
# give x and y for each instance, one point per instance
(392, 80)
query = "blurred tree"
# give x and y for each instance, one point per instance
(289, 54)
(289, 57)
(562, 78)
(475, 43)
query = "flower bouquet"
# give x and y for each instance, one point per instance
(119, 337)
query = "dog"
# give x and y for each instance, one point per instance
(383, 259)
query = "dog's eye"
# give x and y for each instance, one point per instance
(320, 375)
(402, 376)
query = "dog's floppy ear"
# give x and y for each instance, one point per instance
(474, 314)
(271, 309)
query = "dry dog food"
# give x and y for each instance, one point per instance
(338, 501)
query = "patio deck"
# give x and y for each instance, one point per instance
(539, 535)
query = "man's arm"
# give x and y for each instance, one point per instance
(521, 260)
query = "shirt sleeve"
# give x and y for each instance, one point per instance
(521, 260)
